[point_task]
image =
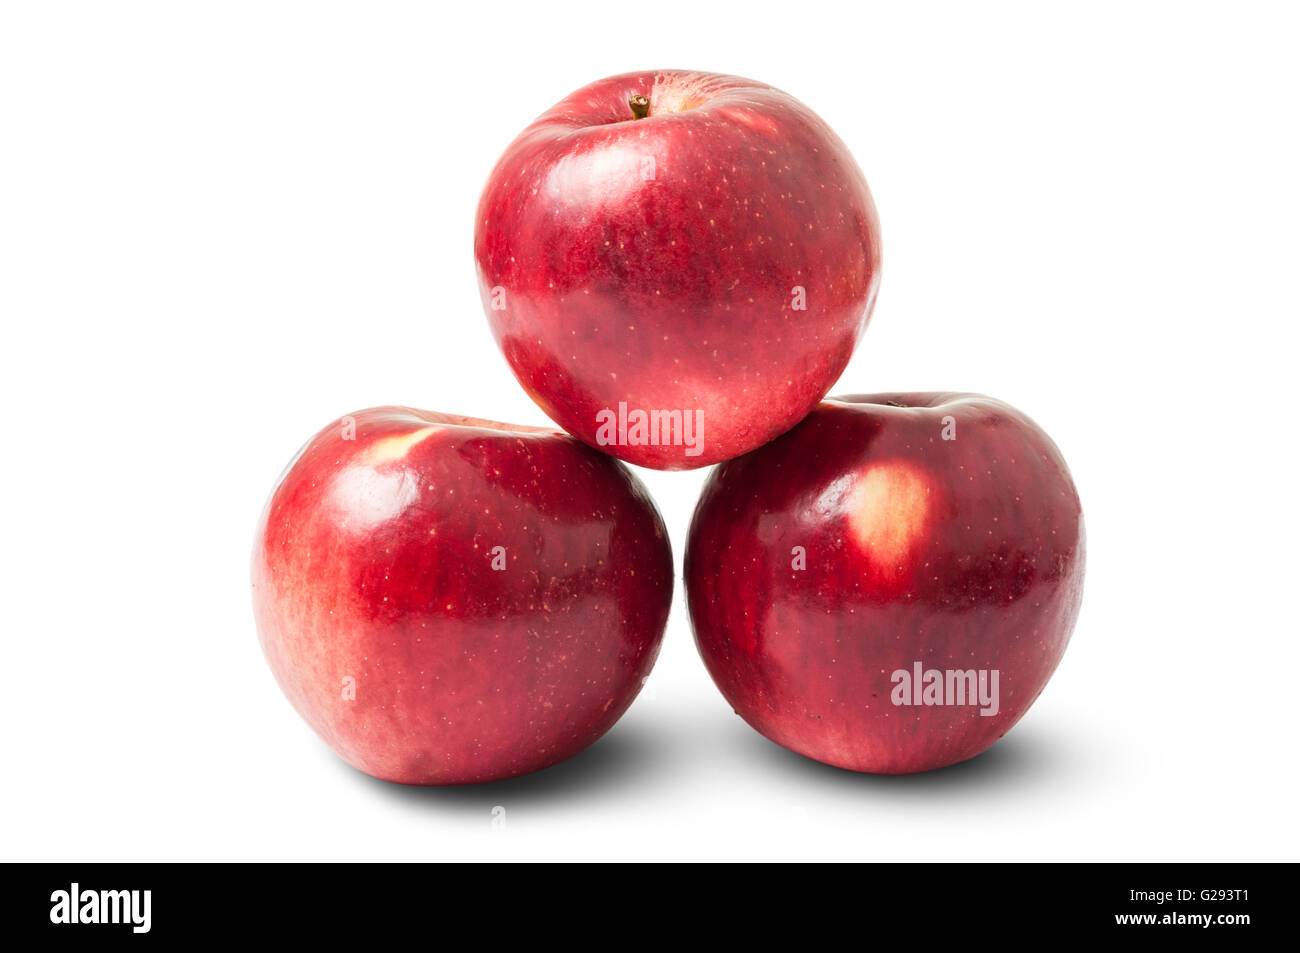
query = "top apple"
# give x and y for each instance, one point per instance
(676, 264)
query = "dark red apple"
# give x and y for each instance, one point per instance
(677, 265)
(888, 587)
(448, 600)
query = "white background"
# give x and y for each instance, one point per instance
(224, 224)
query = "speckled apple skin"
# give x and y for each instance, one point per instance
(373, 563)
(960, 554)
(654, 261)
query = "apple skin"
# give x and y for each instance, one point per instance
(374, 562)
(960, 554)
(653, 261)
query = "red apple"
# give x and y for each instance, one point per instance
(448, 600)
(888, 587)
(671, 250)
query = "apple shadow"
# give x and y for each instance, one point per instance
(1023, 757)
(623, 757)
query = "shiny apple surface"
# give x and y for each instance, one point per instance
(717, 258)
(448, 600)
(884, 538)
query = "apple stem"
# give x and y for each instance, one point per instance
(640, 106)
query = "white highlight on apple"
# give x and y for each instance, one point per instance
(946, 687)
